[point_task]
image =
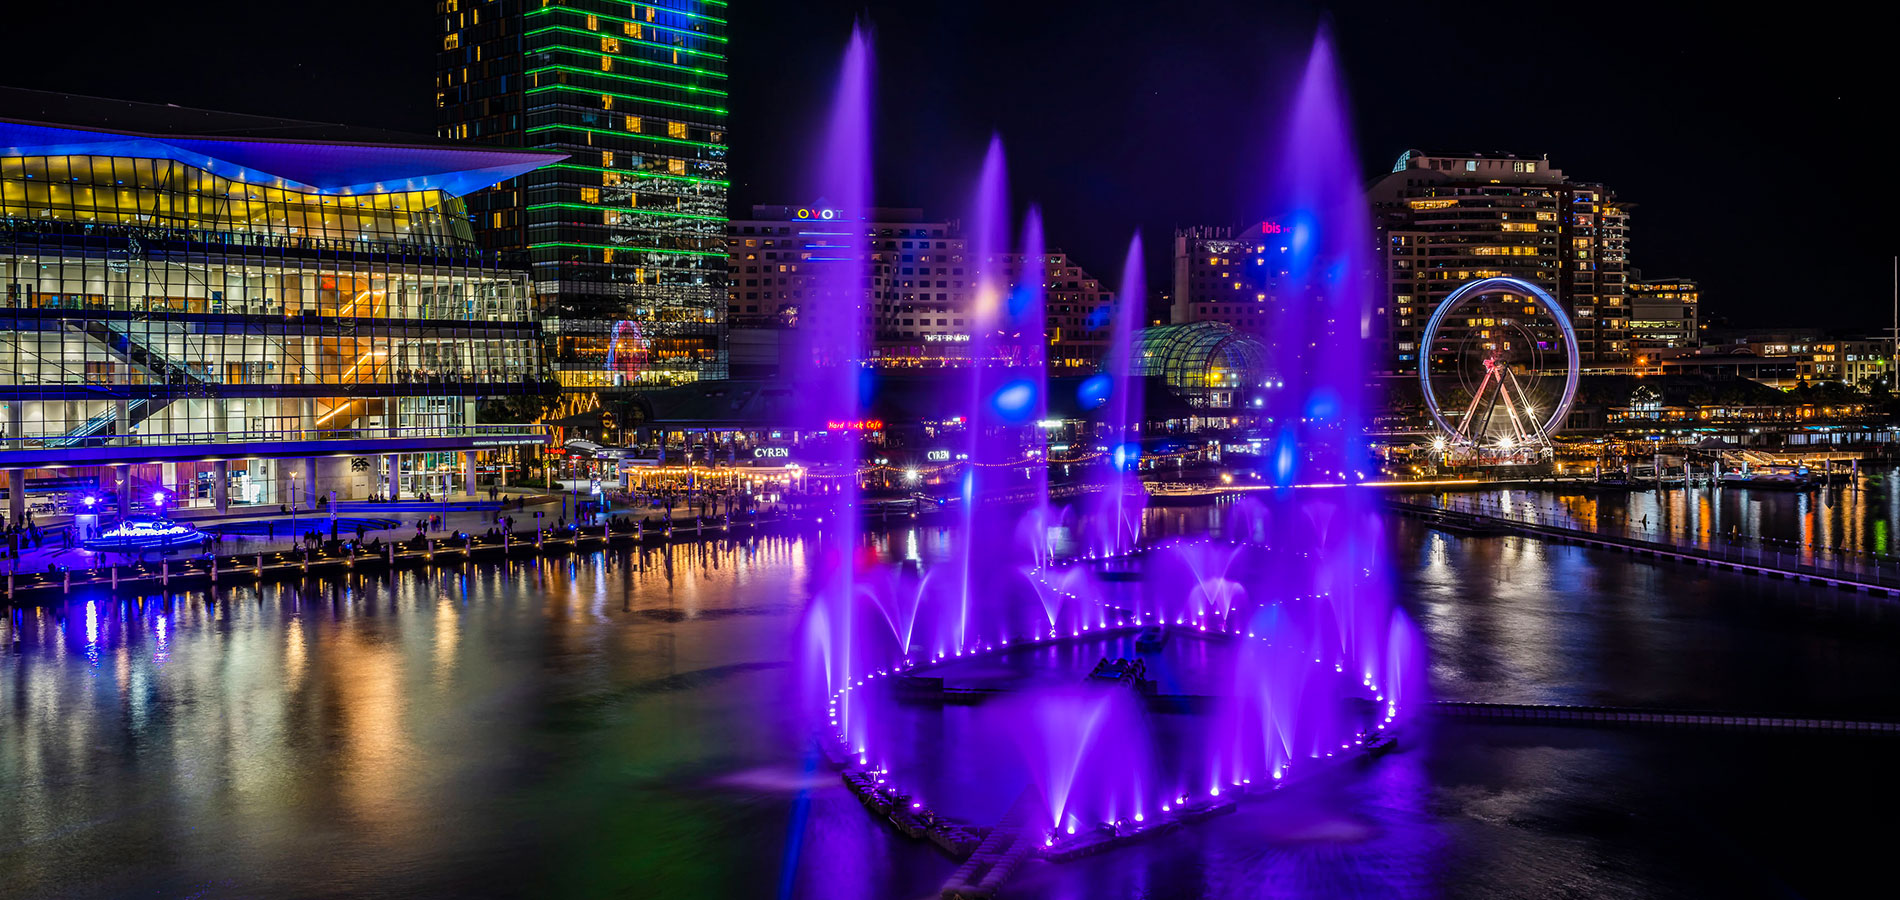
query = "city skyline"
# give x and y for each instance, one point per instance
(1678, 122)
(702, 448)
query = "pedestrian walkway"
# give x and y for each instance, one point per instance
(1869, 572)
(266, 529)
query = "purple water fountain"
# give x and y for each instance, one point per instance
(1009, 702)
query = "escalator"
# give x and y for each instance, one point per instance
(98, 430)
(117, 337)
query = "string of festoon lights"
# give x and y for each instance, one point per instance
(873, 780)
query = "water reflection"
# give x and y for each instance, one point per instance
(614, 724)
(1854, 518)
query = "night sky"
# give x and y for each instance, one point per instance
(1747, 141)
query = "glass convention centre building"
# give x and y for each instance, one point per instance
(207, 309)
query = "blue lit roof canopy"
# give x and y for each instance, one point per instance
(304, 156)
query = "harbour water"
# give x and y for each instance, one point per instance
(621, 724)
(1858, 518)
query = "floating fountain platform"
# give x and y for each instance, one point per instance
(1140, 704)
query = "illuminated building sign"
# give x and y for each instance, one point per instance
(1270, 228)
(771, 452)
(805, 212)
(856, 425)
(937, 455)
(946, 338)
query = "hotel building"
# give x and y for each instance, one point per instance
(205, 308)
(625, 237)
(1228, 275)
(1664, 313)
(1446, 220)
(918, 304)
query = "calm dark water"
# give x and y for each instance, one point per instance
(622, 726)
(1862, 518)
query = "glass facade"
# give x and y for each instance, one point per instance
(1208, 363)
(626, 237)
(153, 308)
(174, 196)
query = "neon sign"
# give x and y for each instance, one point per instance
(946, 338)
(1271, 228)
(856, 425)
(937, 455)
(771, 452)
(805, 212)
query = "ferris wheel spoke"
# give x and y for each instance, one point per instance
(1510, 413)
(1530, 417)
(1477, 397)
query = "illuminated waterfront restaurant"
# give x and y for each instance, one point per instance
(225, 309)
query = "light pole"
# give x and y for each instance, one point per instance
(293, 502)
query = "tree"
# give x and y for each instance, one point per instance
(507, 409)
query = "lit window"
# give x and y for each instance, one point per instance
(606, 159)
(606, 64)
(593, 23)
(676, 166)
(606, 101)
(633, 123)
(676, 129)
(590, 195)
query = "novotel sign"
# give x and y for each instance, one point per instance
(807, 212)
(771, 452)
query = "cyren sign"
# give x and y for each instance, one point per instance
(771, 452)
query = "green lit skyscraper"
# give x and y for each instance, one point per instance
(627, 235)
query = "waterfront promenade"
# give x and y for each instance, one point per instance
(1840, 567)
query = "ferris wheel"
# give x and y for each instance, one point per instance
(1498, 367)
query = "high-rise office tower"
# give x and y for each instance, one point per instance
(1446, 220)
(627, 236)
